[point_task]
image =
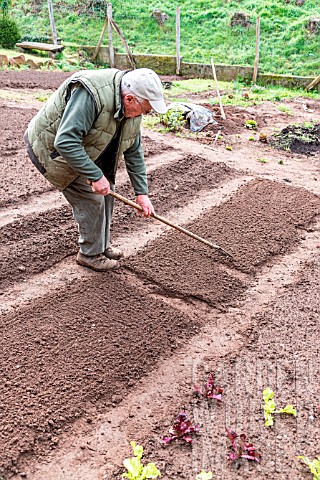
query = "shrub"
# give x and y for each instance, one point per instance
(36, 38)
(174, 119)
(4, 6)
(9, 32)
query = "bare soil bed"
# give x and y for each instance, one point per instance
(92, 361)
(260, 221)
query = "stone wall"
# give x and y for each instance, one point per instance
(162, 64)
(166, 65)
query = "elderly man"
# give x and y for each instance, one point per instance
(76, 141)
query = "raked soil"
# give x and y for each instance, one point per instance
(51, 236)
(262, 220)
(281, 351)
(86, 345)
(90, 361)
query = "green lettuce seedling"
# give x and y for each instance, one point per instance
(289, 409)
(251, 124)
(136, 470)
(204, 475)
(313, 465)
(269, 407)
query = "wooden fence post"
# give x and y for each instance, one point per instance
(178, 41)
(314, 83)
(111, 50)
(100, 40)
(256, 61)
(223, 115)
(52, 24)
(124, 42)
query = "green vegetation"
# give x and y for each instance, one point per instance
(284, 109)
(251, 124)
(136, 470)
(232, 92)
(269, 406)
(314, 466)
(13, 53)
(9, 32)
(4, 7)
(203, 475)
(286, 45)
(173, 119)
(180, 90)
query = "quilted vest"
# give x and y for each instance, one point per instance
(104, 87)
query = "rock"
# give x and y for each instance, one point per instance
(17, 61)
(263, 137)
(241, 19)
(20, 60)
(48, 62)
(116, 399)
(161, 17)
(300, 2)
(3, 60)
(314, 25)
(32, 64)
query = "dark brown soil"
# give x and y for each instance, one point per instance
(21, 179)
(235, 121)
(57, 359)
(33, 79)
(298, 139)
(262, 220)
(171, 185)
(270, 357)
(47, 239)
(152, 147)
(52, 236)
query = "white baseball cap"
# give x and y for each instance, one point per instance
(145, 83)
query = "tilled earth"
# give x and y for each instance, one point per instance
(298, 139)
(92, 361)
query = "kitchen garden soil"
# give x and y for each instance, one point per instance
(91, 361)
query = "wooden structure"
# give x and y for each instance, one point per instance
(46, 47)
(256, 61)
(110, 23)
(178, 41)
(314, 83)
(223, 115)
(52, 23)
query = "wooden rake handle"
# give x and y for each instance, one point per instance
(167, 222)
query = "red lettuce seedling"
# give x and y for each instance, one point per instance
(241, 449)
(182, 428)
(210, 390)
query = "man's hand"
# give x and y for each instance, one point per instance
(102, 186)
(145, 203)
